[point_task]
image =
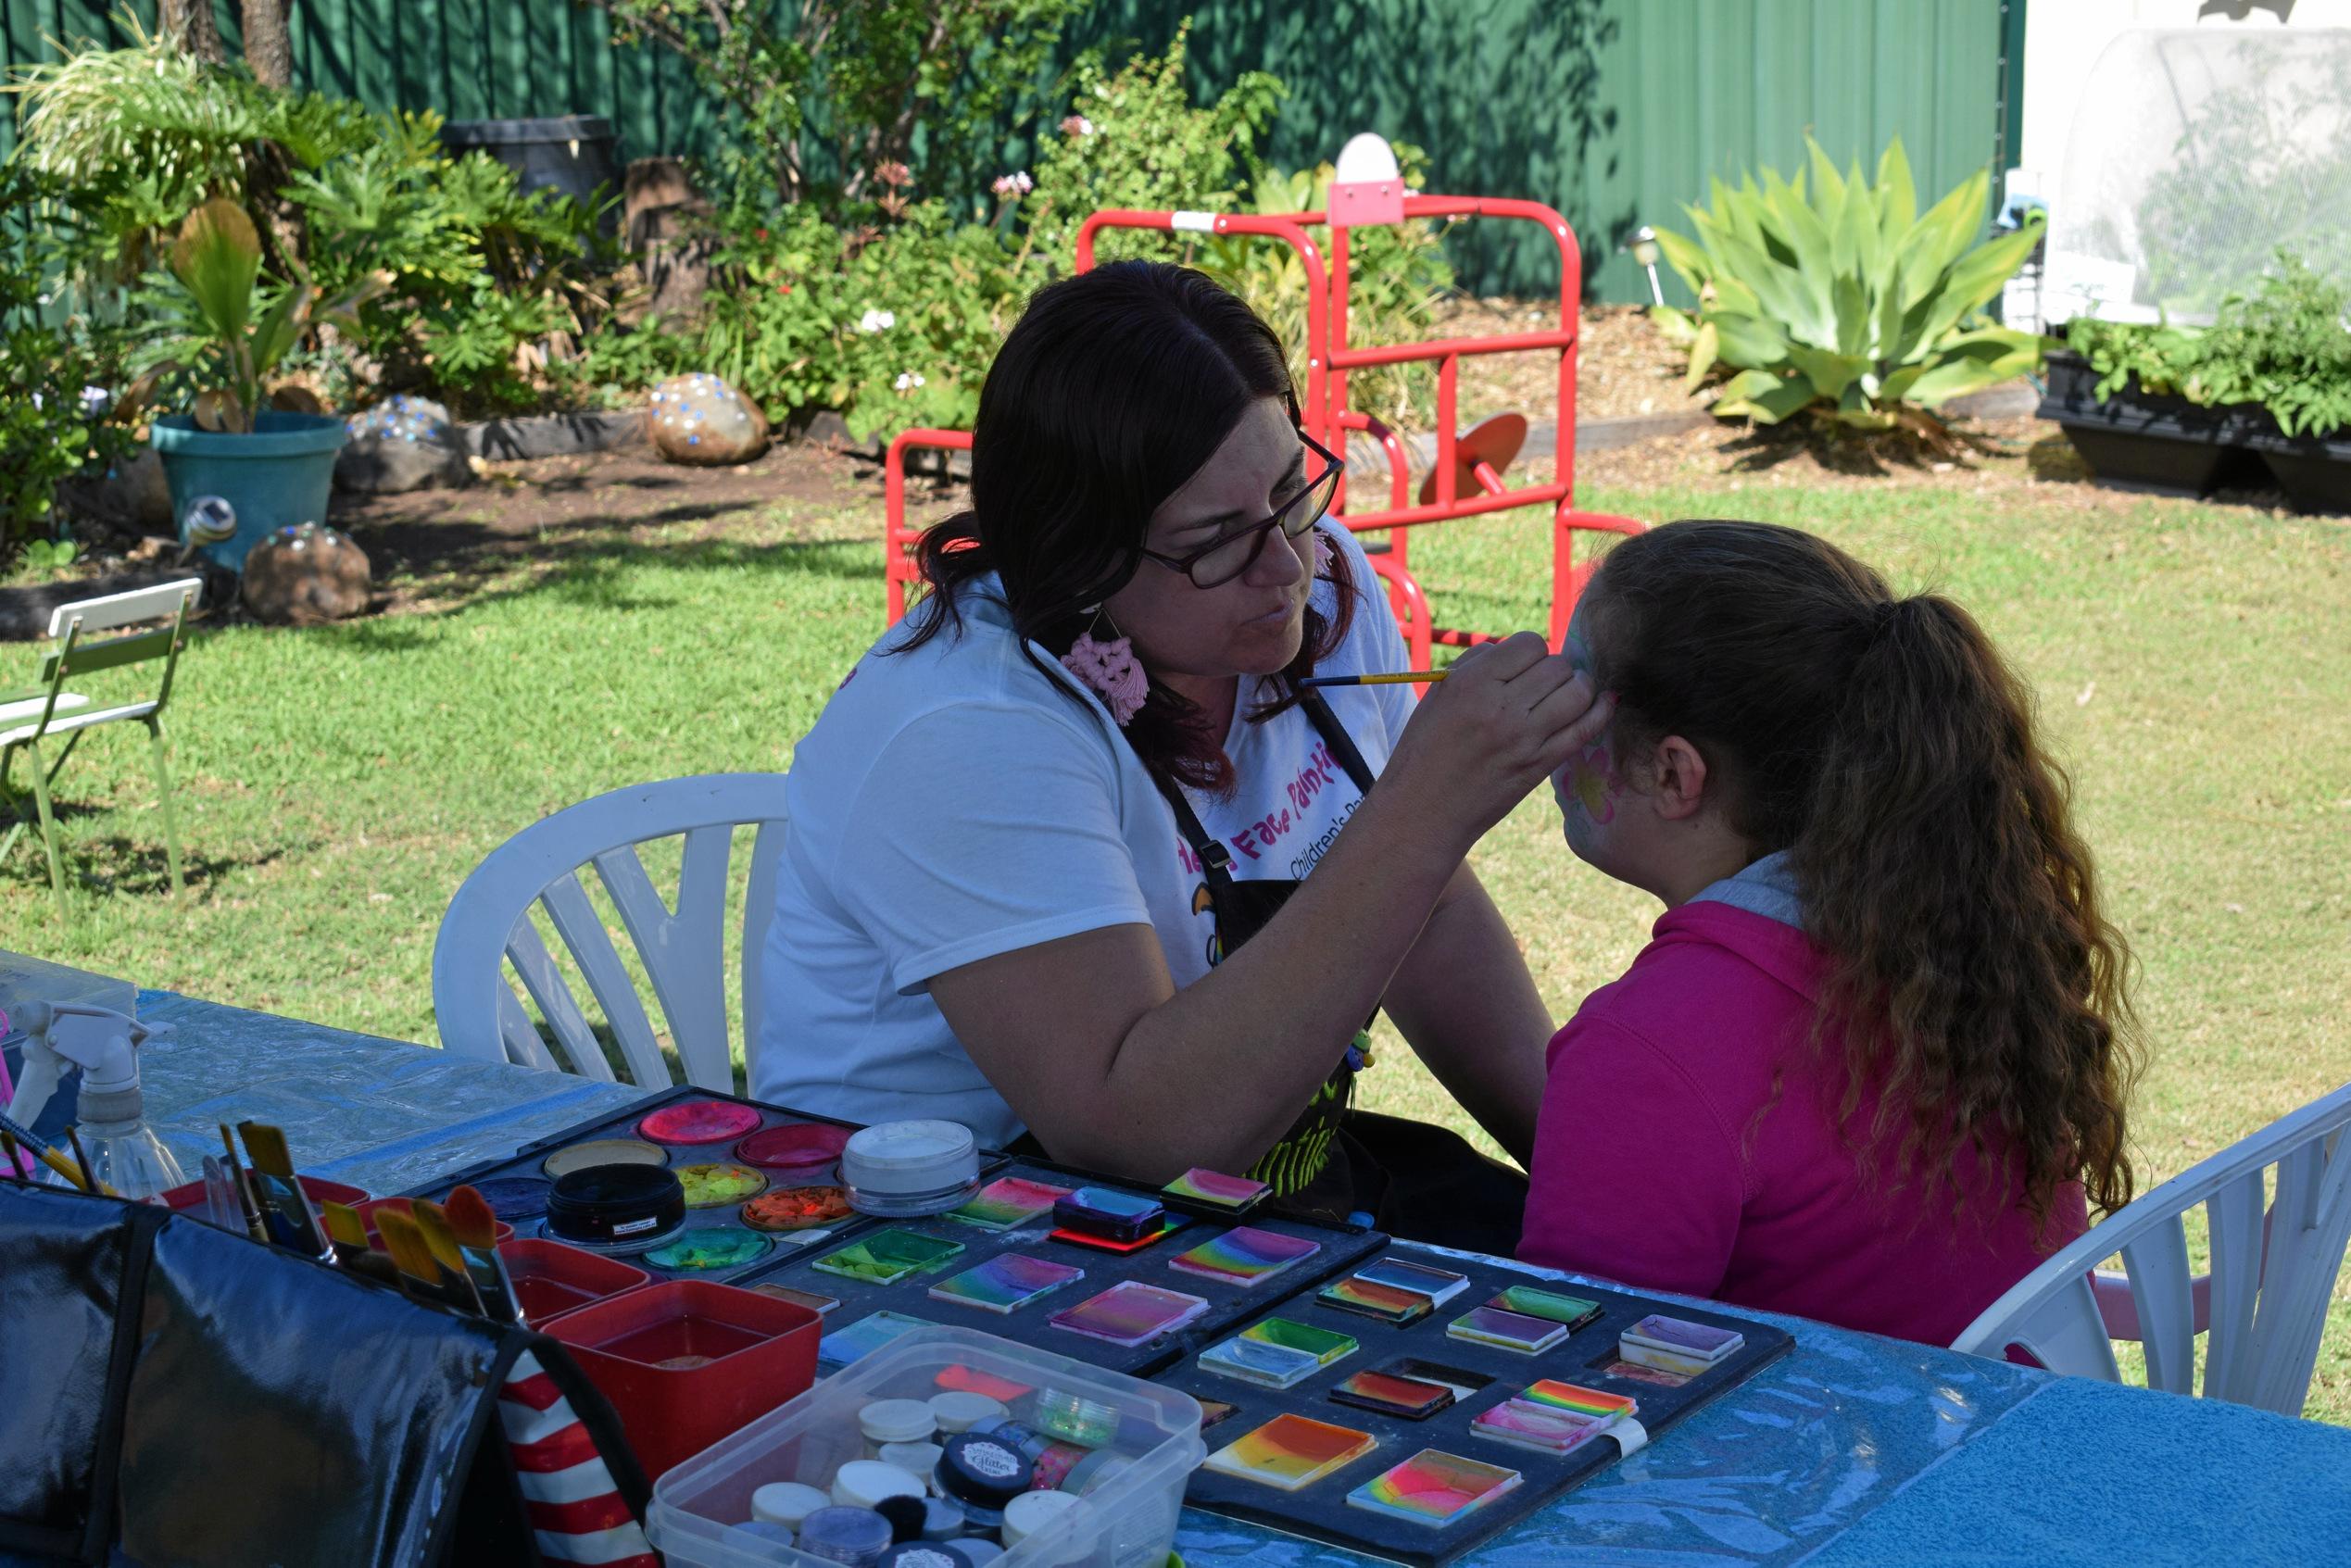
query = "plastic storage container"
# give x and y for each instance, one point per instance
(551, 1279)
(1129, 1521)
(687, 1361)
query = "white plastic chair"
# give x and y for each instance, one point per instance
(488, 925)
(2264, 1304)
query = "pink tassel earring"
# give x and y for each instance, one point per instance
(1111, 671)
(1322, 553)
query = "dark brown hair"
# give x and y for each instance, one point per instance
(1112, 390)
(1887, 747)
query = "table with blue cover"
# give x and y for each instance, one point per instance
(1854, 1451)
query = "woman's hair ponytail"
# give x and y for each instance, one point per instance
(1886, 746)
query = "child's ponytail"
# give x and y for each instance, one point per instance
(1886, 746)
(1943, 875)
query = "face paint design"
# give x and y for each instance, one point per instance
(1589, 787)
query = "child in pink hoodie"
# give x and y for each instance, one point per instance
(1878, 1046)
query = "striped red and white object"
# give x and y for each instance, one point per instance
(576, 1509)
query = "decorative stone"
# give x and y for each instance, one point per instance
(305, 574)
(401, 444)
(138, 492)
(699, 418)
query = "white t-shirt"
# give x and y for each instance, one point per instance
(957, 802)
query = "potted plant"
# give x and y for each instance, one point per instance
(2164, 406)
(223, 327)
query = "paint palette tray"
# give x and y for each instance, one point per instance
(762, 1184)
(1450, 1414)
(1007, 1279)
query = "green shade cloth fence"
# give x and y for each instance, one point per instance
(1614, 111)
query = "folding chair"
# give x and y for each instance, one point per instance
(53, 711)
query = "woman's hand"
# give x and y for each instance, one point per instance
(1506, 717)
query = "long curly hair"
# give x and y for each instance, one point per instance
(1110, 393)
(1886, 746)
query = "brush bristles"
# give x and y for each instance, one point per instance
(435, 1223)
(472, 1221)
(407, 1244)
(344, 1225)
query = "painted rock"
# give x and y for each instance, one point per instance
(306, 574)
(400, 443)
(699, 418)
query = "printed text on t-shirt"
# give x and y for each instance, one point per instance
(1259, 837)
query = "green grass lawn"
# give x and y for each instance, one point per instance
(338, 784)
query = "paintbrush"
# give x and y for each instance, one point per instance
(420, 1275)
(222, 1205)
(8, 1146)
(292, 1224)
(476, 1229)
(1385, 678)
(434, 1223)
(241, 1183)
(82, 1158)
(348, 1234)
(48, 1156)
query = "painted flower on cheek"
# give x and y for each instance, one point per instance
(1594, 784)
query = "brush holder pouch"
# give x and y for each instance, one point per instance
(173, 1393)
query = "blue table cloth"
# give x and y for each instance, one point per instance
(1853, 1451)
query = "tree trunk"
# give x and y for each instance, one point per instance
(189, 24)
(268, 46)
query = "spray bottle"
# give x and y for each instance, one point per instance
(124, 1153)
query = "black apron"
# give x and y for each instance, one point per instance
(1415, 1181)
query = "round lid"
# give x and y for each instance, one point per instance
(911, 1157)
(862, 1483)
(960, 1410)
(860, 1531)
(918, 1459)
(896, 1421)
(1031, 1511)
(602, 1151)
(919, 1554)
(977, 1552)
(794, 1144)
(983, 1470)
(786, 1504)
(941, 1519)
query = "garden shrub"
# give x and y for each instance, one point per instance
(1846, 306)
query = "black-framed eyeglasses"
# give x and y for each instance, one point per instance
(1223, 558)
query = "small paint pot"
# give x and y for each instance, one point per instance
(957, 1411)
(709, 1249)
(857, 1536)
(616, 1208)
(1032, 1512)
(603, 1151)
(797, 1153)
(902, 1170)
(787, 1503)
(699, 1121)
(796, 1209)
(713, 1187)
(515, 1199)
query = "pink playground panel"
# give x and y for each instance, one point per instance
(1465, 480)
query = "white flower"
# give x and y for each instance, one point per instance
(1016, 183)
(877, 321)
(909, 380)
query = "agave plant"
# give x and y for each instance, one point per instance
(1846, 305)
(210, 327)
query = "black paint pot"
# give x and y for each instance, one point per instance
(616, 1208)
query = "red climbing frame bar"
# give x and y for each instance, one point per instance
(899, 568)
(1328, 418)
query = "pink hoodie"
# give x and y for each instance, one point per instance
(1652, 1167)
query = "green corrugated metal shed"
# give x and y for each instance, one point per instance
(1615, 112)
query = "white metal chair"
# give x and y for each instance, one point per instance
(2264, 1303)
(488, 925)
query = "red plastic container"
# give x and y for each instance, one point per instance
(189, 1197)
(748, 1354)
(551, 1279)
(366, 1212)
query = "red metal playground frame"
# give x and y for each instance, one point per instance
(1329, 358)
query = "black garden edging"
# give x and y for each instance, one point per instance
(2144, 441)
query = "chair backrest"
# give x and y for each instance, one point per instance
(72, 623)
(488, 925)
(2275, 1256)
(110, 610)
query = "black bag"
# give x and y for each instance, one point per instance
(171, 1394)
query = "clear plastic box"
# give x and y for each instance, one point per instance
(1128, 1520)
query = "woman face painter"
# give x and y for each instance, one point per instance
(1077, 861)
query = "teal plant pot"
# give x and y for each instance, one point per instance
(279, 475)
